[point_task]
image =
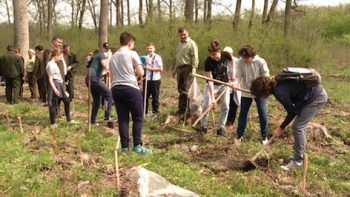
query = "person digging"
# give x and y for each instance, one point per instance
(301, 102)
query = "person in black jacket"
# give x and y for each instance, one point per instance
(302, 103)
(72, 64)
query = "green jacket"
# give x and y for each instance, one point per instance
(11, 65)
(71, 60)
(41, 72)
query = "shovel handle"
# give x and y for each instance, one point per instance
(262, 149)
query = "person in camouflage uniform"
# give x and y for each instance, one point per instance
(12, 69)
(72, 64)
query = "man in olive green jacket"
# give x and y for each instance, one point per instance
(12, 69)
(72, 64)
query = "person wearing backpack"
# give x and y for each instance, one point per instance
(249, 67)
(302, 103)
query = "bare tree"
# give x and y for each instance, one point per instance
(272, 11)
(205, 10)
(196, 8)
(252, 13)
(189, 5)
(81, 16)
(121, 12)
(237, 16)
(150, 9)
(287, 18)
(128, 11)
(103, 24)
(210, 3)
(20, 16)
(159, 9)
(7, 7)
(264, 14)
(49, 18)
(140, 12)
(92, 10)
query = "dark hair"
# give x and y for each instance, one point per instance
(247, 51)
(183, 29)
(39, 47)
(54, 53)
(65, 45)
(125, 38)
(214, 46)
(56, 37)
(11, 48)
(262, 87)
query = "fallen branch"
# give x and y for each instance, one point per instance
(178, 129)
(8, 189)
(20, 123)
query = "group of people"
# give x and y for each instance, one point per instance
(123, 69)
(248, 72)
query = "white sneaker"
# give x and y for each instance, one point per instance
(52, 126)
(292, 164)
(154, 116)
(73, 122)
(264, 141)
(238, 141)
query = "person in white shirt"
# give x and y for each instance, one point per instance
(154, 66)
(249, 67)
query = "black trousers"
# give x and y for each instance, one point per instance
(153, 90)
(232, 112)
(54, 101)
(184, 81)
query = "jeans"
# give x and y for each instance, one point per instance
(153, 89)
(128, 100)
(99, 89)
(300, 123)
(242, 119)
(224, 105)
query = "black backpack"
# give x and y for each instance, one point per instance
(308, 76)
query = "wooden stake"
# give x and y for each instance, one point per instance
(8, 120)
(20, 123)
(117, 163)
(54, 139)
(73, 107)
(210, 107)
(89, 103)
(305, 165)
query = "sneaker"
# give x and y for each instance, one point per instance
(52, 126)
(124, 150)
(109, 119)
(238, 141)
(73, 122)
(142, 150)
(220, 132)
(154, 116)
(292, 164)
(203, 130)
(264, 141)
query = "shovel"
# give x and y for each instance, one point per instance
(250, 164)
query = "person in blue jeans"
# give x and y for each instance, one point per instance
(249, 67)
(302, 103)
(126, 66)
(98, 88)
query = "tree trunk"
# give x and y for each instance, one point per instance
(82, 11)
(49, 19)
(237, 16)
(196, 7)
(252, 13)
(189, 10)
(272, 11)
(128, 7)
(210, 3)
(205, 10)
(110, 14)
(159, 10)
(264, 14)
(150, 11)
(117, 11)
(140, 12)
(287, 18)
(72, 14)
(122, 12)
(103, 24)
(21, 31)
(171, 10)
